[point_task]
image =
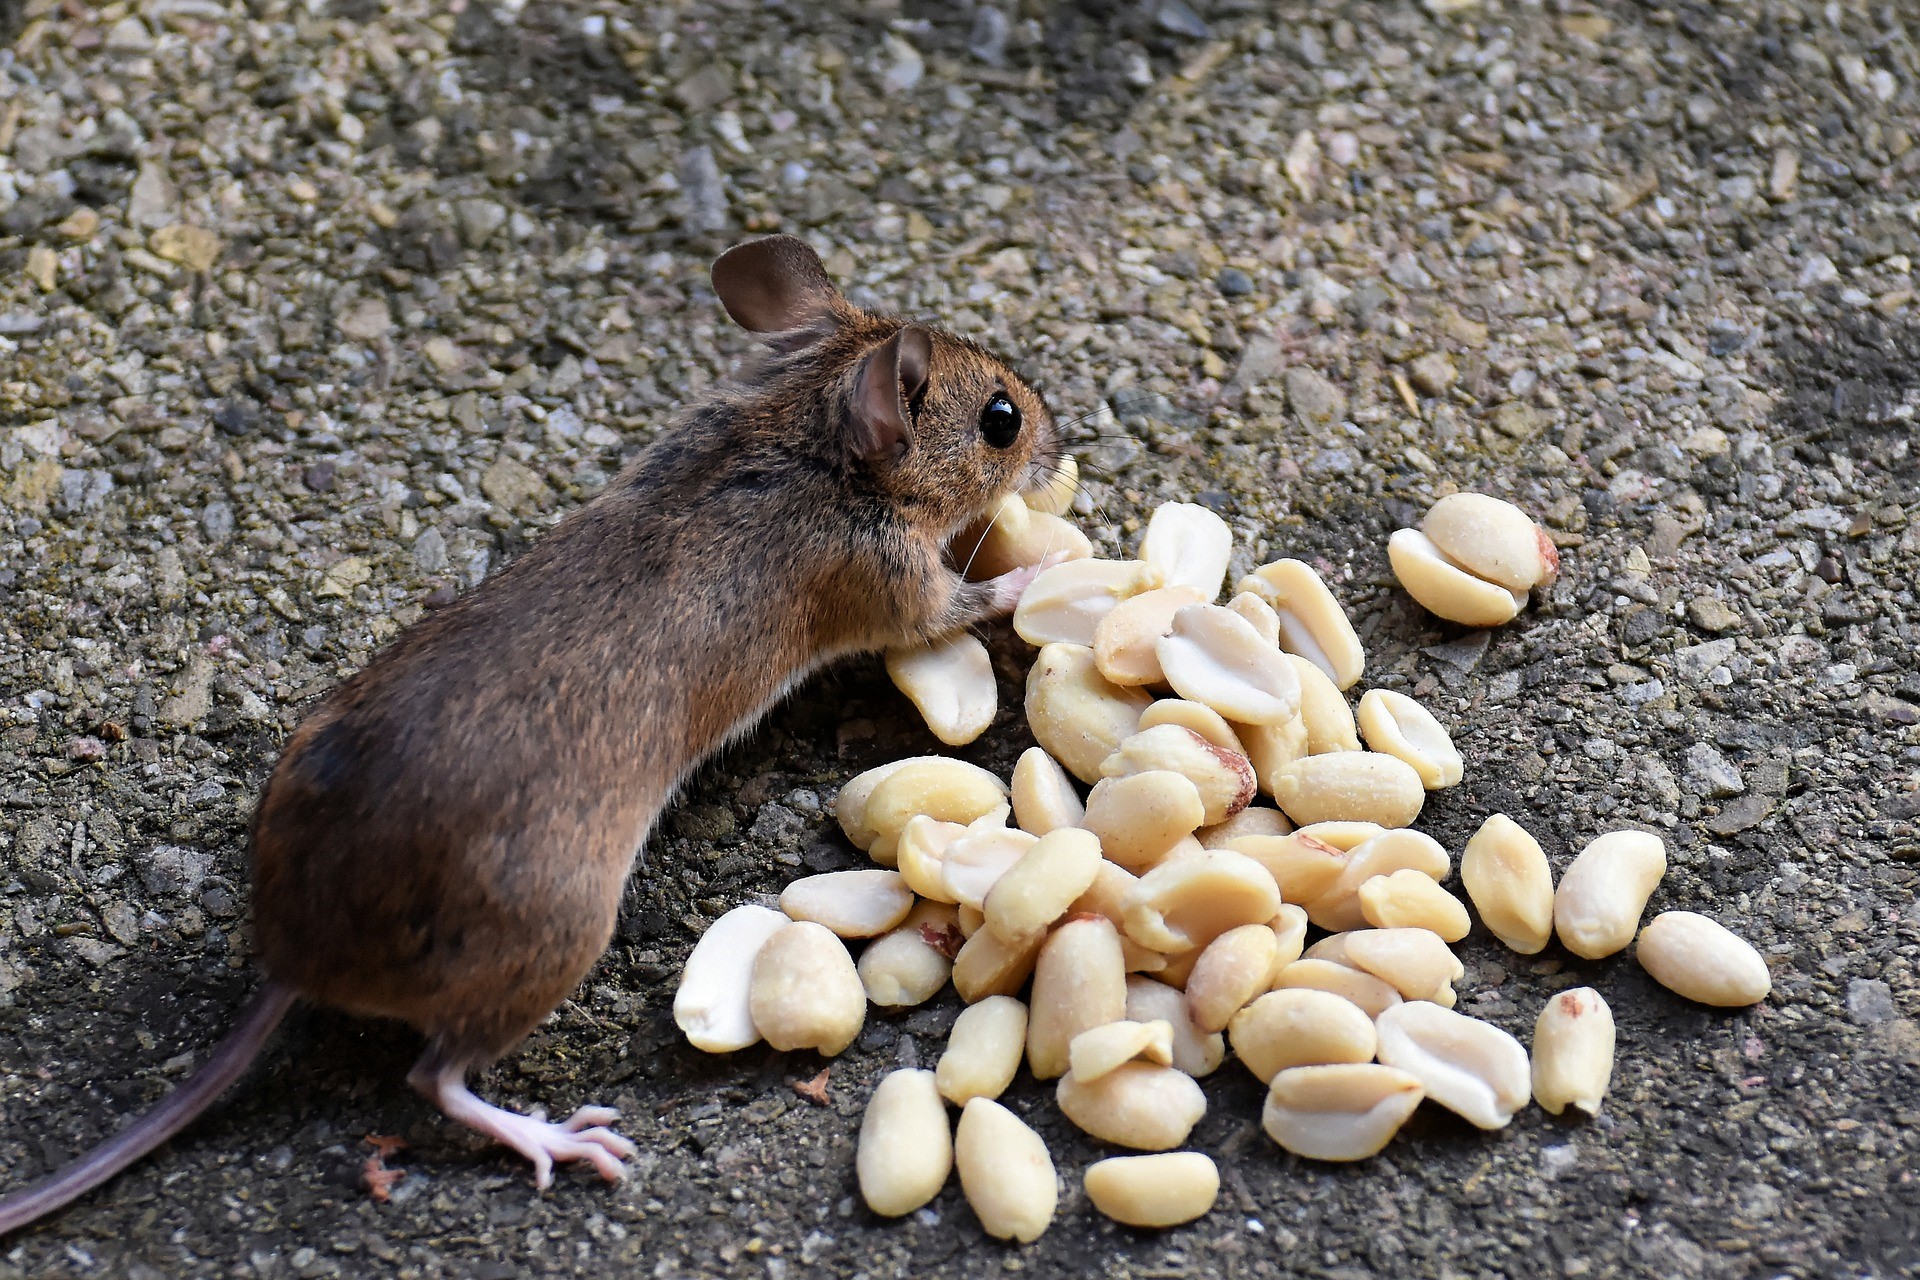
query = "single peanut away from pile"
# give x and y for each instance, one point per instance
(1132, 885)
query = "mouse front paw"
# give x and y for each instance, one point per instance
(1004, 592)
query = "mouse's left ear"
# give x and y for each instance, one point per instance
(776, 287)
(891, 376)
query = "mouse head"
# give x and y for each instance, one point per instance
(938, 425)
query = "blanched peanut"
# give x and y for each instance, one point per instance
(1302, 867)
(1324, 712)
(906, 1149)
(1214, 657)
(1043, 795)
(1107, 895)
(1098, 1050)
(1079, 982)
(1138, 1104)
(1225, 780)
(1065, 604)
(1038, 889)
(1175, 969)
(1195, 1052)
(1347, 1111)
(1410, 899)
(711, 1004)
(1077, 714)
(850, 805)
(805, 992)
(1199, 717)
(1312, 623)
(1273, 748)
(1140, 817)
(920, 854)
(986, 966)
(1055, 494)
(1300, 1027)
(1350, 786)
(912, 964)
(1339, 906)
(1400, 727)
(971, 921)
(1702, 960)
(1162, 1190)
(1254, 820)
(1415, 962)
(1507, 878)
(854, 904)
(1233, 969)
(1492, 539)
(1444, 588)
(1343, 835)
(1189, 545)
(935, 787)
(1188, 902)
(1289, 935)
(983, 1050)
(951, 683)
(1597, 907)
(909, 966)
(1124, 642)
(1013, 536)
(1470, 1067)
(1573, 1051)
(1005, 1172)
(1368, 992)
(974, 863)
(1260, 614)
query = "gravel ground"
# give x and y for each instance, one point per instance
(311, 313)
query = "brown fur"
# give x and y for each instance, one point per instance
(445, 838)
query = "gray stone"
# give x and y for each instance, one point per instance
(1709, 775)
(175, 870)
(1870, 1001)
(1314, 400)
(703, 194)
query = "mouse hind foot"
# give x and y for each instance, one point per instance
(582, 1136)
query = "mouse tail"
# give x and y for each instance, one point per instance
(230, 1060)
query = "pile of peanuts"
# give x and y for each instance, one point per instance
(1164, 916)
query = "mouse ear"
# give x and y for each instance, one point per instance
(891, 376)
(774, 286)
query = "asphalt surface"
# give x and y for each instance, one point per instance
(311, 314)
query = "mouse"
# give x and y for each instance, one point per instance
(446, 835)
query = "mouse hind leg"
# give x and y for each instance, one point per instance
(442, 1079)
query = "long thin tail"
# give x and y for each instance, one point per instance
(231, 1057)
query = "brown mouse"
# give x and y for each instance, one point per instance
(445, 837)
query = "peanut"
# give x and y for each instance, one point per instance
(1507, 878)
(1098, 1050)
(1300, 1027)
(1573, 1051)
(1055, 494)
(952, 684)
(1194, 1051)
(905, 1150)
(1324, 712)
(1162, 1190)
(1043, 795)
(909, 965)
(1470, 1067)
(1075, 713)
(1214, 657)
(1065, 604)
(805, 992)
(1312, 623)
(1412, 899)
(1702, 960)
(986, 966)
(1079, 982)
(1254, 820)
(1199, 717)
(1350, 786)
(1189, 545)
(1188, 902)
(1140, 817)
(935, 787)
(1125, 640)
(1137, 1104)
(1444, 588)
(920, 854)
(1234, 968)
(1038, 889)
(1345, 1111)
(974, 863)
(1397, 725)
(1225, 780)
(1368, 992)
(1492, 539)
(711, 1004)
(854, 904)
(983, 1050)
(1597, 907)
(1415, 962)
(1338, 907)
(1005, 1172)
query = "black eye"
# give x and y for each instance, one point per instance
(1000, 422)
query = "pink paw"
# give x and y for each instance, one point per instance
(581, 1136)
(1010, 586)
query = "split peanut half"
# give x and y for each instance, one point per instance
(1703, 960)
(805, 993)
(1076, 714)
(1189, 545)
(951, 683)
(1492, 539)
(1005, 1172)
(1596, 909)
(1345, 1111)
(1098, 1050)
(911, 964)
(1312, 624)
(1213, 656)
(1573, 1051)
(1066, 603)
(1126, 640)
(983, 1051)
(1138, 1104)
(1161, 1190)
(712, 1003)
(905, 1150)
(1300, 1027)
(1446, 590)
(1509, 882)
(1470, 1067)
(854, 904)
(1397, 725)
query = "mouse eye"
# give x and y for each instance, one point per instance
(1000, 422)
